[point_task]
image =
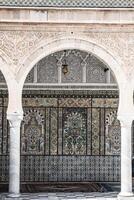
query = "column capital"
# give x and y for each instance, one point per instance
(14, 119)
(126, 119)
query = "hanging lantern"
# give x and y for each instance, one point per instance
(65, 69)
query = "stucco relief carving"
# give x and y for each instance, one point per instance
(119, 44)
(18, 45)
(129, 55)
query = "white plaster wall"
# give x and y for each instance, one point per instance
(67, 15)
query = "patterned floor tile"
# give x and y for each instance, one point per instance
(64, 196)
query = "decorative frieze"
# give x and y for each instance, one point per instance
(74, 3)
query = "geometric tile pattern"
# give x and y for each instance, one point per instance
(66, 120)
(69, 140)
(69, 3)
(82, 67)
(4, 168)
(73, 150)
(75, 102)
(70, 168)
(78, 62)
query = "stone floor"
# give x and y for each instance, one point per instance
(65, 196)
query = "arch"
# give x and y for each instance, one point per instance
(14, 89)
(71, 43)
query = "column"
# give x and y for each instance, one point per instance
(59, 72)
(14, 161)
(35, 74)
(126, 158)
(84, 73)
(108, 76)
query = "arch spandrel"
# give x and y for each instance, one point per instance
(5, 69)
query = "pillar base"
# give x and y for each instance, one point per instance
(12, 195)
(125, 196)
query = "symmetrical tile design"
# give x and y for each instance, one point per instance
(74, 131)
(112, 132)
(47, 70)
(82, 67)
(66, 139)
(69, 3)
(32, 132)
(51, 94)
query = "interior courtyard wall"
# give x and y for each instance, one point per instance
(25, 44)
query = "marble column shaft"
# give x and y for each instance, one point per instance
(14, 163)
(126, 159)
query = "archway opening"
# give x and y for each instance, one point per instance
(70, 132)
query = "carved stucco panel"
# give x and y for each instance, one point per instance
(121, 45)
(18, 45)
(112, 42)
(7, 43)
(129, 55)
